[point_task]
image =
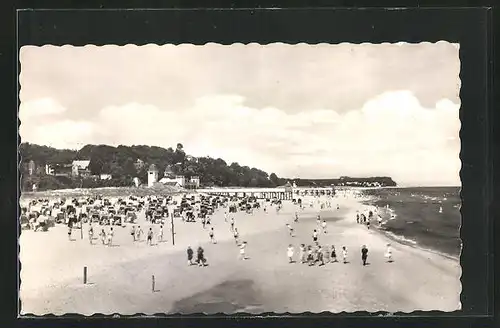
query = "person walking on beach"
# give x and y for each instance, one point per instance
(232, 223)
(91, 234)
(368, 224)
(149, 240)
(320, 257)
(201, 257)
(289, 253)
(69, 230)
(388, 253)
(110, 236)
(290, 230)
(357, 218)
(364, 254)
(160, 234)
(327, 254)
(211, 235)
(236, 236)
(139, 233)
(242, 250)
(310, 256)
(132, 232)
(225, 216)
(334, 255)
(379, 219)
(302, 254)
(315, 236)
(102, 234)
(318, 221)
(344, 254)
(323, 226)
(190, 255)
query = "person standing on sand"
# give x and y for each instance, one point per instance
(334, 255)
(211, 235)
(318, 221)
(289, 253)
(323, 226)
(310, 256)
(200, 257)
(225, 216)
(110, 236)
(236, 236)
(190, 255)
(364, 254)
(139, 233)
(296, 217)
(320, 257)
(132, 232)
(388, 253)
(290, 230)
(315, 236)
(302, 254)
(149, 240)
(242, 250)
(344, 254)
(69, 230)
(327, 254)
(160, 234)
(379, 219)
(91, 233)
(232, 223)
(368, 224)
(103, 236)
(357, 218)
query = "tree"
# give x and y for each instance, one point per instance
(274, 179)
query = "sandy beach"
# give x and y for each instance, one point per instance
(120, 276)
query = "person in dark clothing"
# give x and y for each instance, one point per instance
(190, 255)
(200, 257)
(364, 254)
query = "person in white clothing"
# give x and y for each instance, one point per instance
(289, 253)
(388, 253)
(110, 236)
(160, 234)
(344, 254)
(323, 226)
(242, 250)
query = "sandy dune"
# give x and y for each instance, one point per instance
(120, 277)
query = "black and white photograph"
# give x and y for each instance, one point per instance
(240, 178)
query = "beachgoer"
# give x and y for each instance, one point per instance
(236, 235)
(139, 233)
(296, 217)
(69, 231)
(110, 236)
(160, 234)
(200, 257)
(289, 253)
(91, 234)
(318, 221)
(364, 254)
(334, 254)
(323, 226)
(327, 254)
(211, 235)
(388, 253)
(315, 236)
(242, 250)
(225, 216)
(102, 234)
(302, 254)
(357, 218)
(344, 254)
(232, 223)
(368, 225)
(132, 232)
(290, 230)
(190, 255)
(379, 219)
(150, 237)
(320, 257)
(310, 256)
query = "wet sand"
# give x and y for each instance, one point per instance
(120, 277)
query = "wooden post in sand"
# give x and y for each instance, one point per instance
(84, 275)
(172, 227)
(81, 229)
(153, 283)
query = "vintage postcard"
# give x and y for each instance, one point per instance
(239, 178)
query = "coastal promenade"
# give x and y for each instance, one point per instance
(282, 193)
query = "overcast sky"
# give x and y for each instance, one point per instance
(300, 111)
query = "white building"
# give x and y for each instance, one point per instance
(106, 177)
(195, 181)
(170, 178)
(152, 175)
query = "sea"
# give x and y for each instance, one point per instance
(428, 217)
